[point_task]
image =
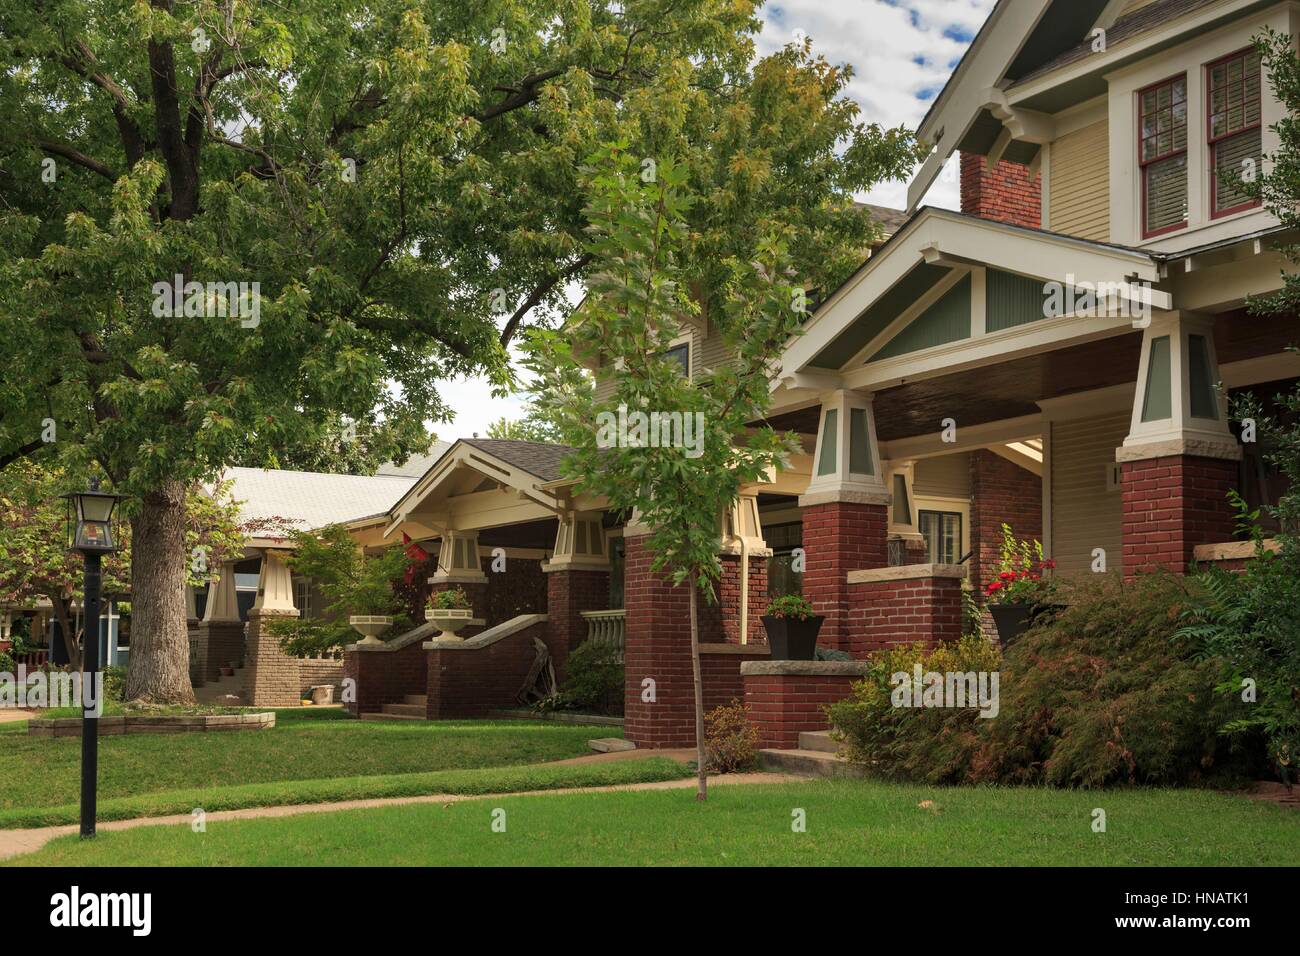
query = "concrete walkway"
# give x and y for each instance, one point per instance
(18, 842)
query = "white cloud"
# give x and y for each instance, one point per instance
(902, 53)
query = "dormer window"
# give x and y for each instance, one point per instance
(1235, 130)
(1162, 155)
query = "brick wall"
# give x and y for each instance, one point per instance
(276, 679)
(721, 621)
(839, 537)
(568, 594)
(1006, 193)
(471, 681)
(784, 705)
(903, 611)
(520, 589)
(384, 676)
(1171, 505)
(1000, 491)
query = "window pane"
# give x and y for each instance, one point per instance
(681, 354)
(1203, 401)
(1157, 404)
(859, 443)
(1166, 193)
(1231, 158)
(830, 442)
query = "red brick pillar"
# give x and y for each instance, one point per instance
(660, 713)
(1171, 505)
(729, 591)
(1001, 491)
(569, 592)
(839, 537)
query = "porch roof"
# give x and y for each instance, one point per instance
(482, 483)
(948, 284)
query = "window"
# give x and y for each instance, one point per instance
(782, 578)
(302, 597)
(1162, 155)
(1234, 129)
(617, 570)
(681, 354)
(942, 533)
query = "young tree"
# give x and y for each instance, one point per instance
(634, 308)
(381, 194)
(1277, 185)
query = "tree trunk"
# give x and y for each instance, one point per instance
(701, 753)
(159, 668)
(63, 614)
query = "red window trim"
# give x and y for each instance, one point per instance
(1143, 164)
(1212, 141)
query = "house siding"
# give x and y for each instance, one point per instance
(1079, 198)
(1085, 513)
(944, 477)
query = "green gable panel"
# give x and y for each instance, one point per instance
(947, 320)
(877, 318)
(1012, 300)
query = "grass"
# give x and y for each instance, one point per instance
(305, 745)
(288, 793)
(848, 822)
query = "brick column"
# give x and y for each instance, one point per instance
(658, 648)
(1001, 491)
(274, 678)
(839, 537)
(729, 590)
(569, 592)
(1171, 505)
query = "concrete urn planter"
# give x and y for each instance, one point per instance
(449, 620)
(370, 626)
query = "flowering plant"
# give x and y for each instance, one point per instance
(454, 599)
(1024, 575)
(792, 606)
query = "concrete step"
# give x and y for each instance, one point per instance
(609, 745)
(421, 699)
(819, 740)
(810, 763)
(373, 716)
(405, 710)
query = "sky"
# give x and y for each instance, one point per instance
(902, 53)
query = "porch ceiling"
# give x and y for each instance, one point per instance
(993, 393)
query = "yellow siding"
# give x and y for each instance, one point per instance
(705, 353)
(1079, 200)
(1085, 514)
(945, 477)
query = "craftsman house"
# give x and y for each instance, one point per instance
(1058, 355)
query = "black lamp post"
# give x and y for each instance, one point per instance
(91, 536)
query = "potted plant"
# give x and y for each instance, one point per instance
(1023, 587)
(371, 621)
(792, 628)
(449, 611)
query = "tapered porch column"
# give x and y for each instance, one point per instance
(459, 567)
(906, 543)
(845, 509)
(577, 580)
(273, 676)
(1179, 460)
(742, 589)
(218, 639)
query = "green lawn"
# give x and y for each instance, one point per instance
(304, 745)
(848, 822)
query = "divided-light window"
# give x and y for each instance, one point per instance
(1162, 155)
(1234, 129)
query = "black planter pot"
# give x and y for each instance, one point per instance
(1012, 620)
(792, 640)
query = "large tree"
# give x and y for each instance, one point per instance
(400, 182)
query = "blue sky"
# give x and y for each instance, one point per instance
(902, 53)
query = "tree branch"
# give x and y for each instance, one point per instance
(78, 157)
(538, 294)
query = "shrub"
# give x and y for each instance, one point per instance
(933, 744)
(594, 678)
(1099, 695)
(730, 740)
(7, 664)
(453, 599)
(831, 654)
(115, 683)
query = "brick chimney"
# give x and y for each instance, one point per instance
(1007, 194)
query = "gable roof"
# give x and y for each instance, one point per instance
(416, 465)
(537, 458)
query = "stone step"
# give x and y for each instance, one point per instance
(405, 710)
(373, 716)
(819, 740)
(809, 763)
(421, 699)
(609, 745)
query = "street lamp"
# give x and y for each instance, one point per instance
(92, 537)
